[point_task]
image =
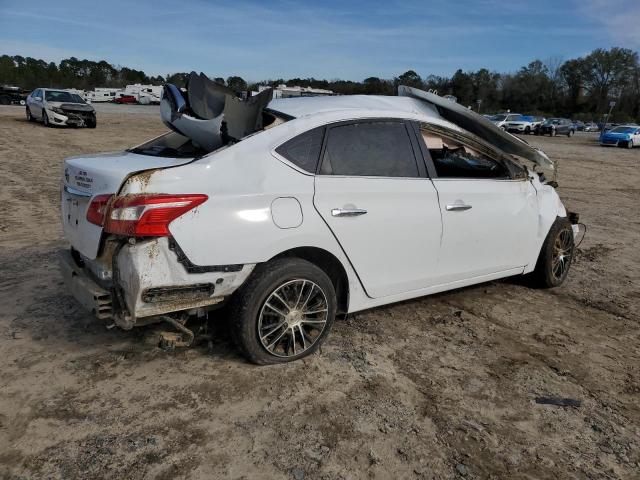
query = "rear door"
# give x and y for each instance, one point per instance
(379, 203)
(489, 208)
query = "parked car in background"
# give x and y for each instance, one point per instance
(526, 124)
(556, 126)
(125, 99)
(607, 126)
(621, 136)
(591, 127)
(501, 119)
(308, 213)
(578, 126)
(59, 108)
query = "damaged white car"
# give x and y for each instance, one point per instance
(292, 211)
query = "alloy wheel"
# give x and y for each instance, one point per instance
(562, 253)
(292, 318)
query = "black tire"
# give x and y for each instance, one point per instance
(630, 144)
(92, 122)
(527, 130)
(248, 303)
(5, 100)
(546, 274)
(29, 116)
(569, 133)
(45, 119)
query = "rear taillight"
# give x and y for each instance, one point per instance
(148, 215)
(98, 209)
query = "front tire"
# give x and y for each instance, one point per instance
(92, 122)
(555, 257)
(45, 119)
(630, 144)
(283, 312)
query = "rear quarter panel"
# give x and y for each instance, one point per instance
(235, 225)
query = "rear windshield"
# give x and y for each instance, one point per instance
(171, 144)
(174, 145)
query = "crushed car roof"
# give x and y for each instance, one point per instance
(414, 102)
(303, 106)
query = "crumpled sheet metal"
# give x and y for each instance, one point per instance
(211, 113)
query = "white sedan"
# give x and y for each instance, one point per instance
(328, 205)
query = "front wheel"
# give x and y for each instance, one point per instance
(569, 133)
(283, 312)
(92, 122)
(630, 144)
(555, 257)
(45, 119)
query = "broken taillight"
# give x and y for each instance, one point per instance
(98, 209)
(148, 215)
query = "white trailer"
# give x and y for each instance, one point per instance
(145, 94)
(102, 94)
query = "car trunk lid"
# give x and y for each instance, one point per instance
(90, 175)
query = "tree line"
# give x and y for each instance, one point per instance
(581, 88)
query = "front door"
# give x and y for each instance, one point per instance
(378, 202)
(489, 209)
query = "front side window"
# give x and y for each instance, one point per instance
(454, 159)
(304, 150)
(372, 149)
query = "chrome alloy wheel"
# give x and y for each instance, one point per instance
(292, 318)
(562, 253)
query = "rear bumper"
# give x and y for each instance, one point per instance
(150, 280)
(86, 291)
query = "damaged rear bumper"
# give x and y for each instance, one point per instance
(84, 289)
(148, 280)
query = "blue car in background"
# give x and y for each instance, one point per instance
(621, 136)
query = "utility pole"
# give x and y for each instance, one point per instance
(612, 104)
(479, 102)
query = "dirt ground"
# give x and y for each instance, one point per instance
(440, 387)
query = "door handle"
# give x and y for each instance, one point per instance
(457, 207)
(347, 212)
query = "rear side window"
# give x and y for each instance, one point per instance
(304, 150)
(376, 149)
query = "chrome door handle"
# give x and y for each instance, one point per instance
(347, 212)
(457, 207)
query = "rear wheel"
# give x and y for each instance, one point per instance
(555, 257)
(283, 312)
(29, 116)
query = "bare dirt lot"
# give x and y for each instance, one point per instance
(440, 387)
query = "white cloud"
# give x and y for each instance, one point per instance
(620, 19)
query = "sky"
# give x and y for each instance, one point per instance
(330, 39)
